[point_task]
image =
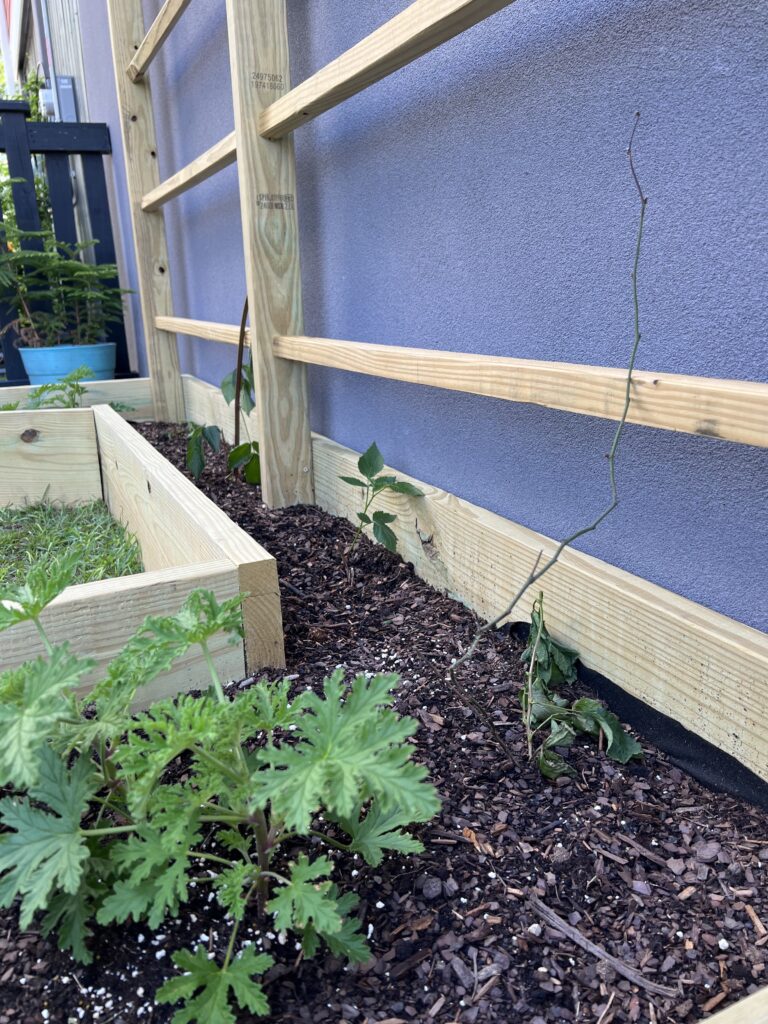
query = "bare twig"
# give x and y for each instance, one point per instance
(539, 570)
(555, 921)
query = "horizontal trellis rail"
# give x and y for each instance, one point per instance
(158, 32)
(418, 29)
(215, 159)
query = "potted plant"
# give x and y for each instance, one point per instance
(60, 304)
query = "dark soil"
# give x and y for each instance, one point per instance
(663, 874)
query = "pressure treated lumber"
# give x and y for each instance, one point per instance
(219, 156)
(733, 410)
(135, 392)
(176, 524)
(126, 25)
(702, 669)
(258, 44)
(158, 32)
(417, 30)
(205, 329)
(98, 618)
(48, 454)
(752, 1010)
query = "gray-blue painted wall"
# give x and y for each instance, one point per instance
(480, 200)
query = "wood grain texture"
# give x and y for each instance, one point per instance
(733, 410)
(158, 32)
(205, 403)
(137, 124)
(48, 453)
(229, 334)
(258, 45)
(204, 166)
(702, 669)
(98, 618)
(752, 1010)
(176, 524)
(417, 30)
(134, 391)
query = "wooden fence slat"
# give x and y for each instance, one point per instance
(258, 39)
(158, 32)
(415, 31)
(732, 410)
(204, 166)
(139, 144)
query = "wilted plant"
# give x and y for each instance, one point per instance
(370, 465)
(94, 829)
(550, 666)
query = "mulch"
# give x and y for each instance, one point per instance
(664, 875)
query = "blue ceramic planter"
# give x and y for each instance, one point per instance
(48, 365)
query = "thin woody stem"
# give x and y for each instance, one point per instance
(537, 572)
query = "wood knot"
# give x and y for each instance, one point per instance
(30, 435)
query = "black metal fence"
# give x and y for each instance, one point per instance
(20, 139)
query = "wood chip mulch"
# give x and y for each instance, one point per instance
(658, 872)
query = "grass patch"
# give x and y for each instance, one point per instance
(38, 533)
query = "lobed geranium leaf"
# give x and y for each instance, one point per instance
(44, 581)
(206, 988)
(381, 830)
(306, 900)
(349, 747)
(43, 852)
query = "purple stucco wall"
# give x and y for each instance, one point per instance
(480, 200)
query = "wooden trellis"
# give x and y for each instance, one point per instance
(717, 679)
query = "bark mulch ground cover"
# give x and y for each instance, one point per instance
(666, 876)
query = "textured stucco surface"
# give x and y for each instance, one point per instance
(480, 200)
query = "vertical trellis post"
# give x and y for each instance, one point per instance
(126, 24)
(258, 49)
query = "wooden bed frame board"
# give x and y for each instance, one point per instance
(187, 542)
(135, 392)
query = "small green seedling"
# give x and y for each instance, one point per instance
(550, 665)
(238, 387)
(198, 438)
(370, 465)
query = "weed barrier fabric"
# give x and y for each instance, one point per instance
(702, 760)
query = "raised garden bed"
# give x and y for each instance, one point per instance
(78, 455)
(660, 872)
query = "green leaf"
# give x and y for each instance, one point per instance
(305, 899)
(239, 456)
(364, 519)
(403, 487)
(68, 915)
(347, 941)
(384, 535)
(44, 581)
(42, 851)
(620, 745)
(348, 748)
(230, 887)
(195, 455)
(205, 988)
(247, 403)
(39, 689)
(353, 481)
(371, 462)
(126, 900)
(378, 831)
(252, 472)
(228, 387)
(213, 436)
(553, 765)
(383, 483)
(384, 517)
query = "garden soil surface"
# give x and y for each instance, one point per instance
(665, 876)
